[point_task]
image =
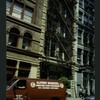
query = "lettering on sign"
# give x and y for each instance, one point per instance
(32, 84)
(46, 85)
(62, 85)
(18, 97)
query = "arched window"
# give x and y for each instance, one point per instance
(27, 39)
(13, 37)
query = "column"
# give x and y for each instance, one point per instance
(17, 67)
(7, 38)
(88, 83)
(82, 56)
(20, 41)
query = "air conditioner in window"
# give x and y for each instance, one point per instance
(78, 58)
(64, 34)
(27, 48)
(10, 43)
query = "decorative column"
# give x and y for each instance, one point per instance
(20, 41)
(17, 67)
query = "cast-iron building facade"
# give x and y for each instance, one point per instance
(84, 53)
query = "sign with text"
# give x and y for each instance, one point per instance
(46, 85)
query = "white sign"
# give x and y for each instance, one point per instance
(46, 85)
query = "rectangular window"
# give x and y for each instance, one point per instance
(61, 54)
(24, 69)
(91, 21)
(8, 5)
(21, 84)
(91, 40)
(85, 57)
(28, 14)
(86, 39)
(90, 58)
(79, 40)
(52, 51)
(85, 18)
(80, 3)
(63, 31)
(79, 36)
(79, 56)
(80, 16)
(11, 68)
(17, 10)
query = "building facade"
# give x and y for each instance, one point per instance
(46, 39)
(84, 53)
(23, 35)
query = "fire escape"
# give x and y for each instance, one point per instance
(56, 16)
(60, 18)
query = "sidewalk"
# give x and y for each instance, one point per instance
(73, 98)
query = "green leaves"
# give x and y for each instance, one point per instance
(65, 81)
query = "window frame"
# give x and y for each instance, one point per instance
(29, 40)
(22, 13)
(15, 35)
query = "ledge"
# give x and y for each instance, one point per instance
(23, 23)
(24, 52)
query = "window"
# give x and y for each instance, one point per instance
(50, 47)
(65, 14)
(11, 68)
(79, 56)
(60, 54)
(24, 65)
(17, 10)
(79, 36)
(23, 73)
(10, 73)
(21, 84)
(85, 18)
(47, 47)
(11, 63)
(27, 39)
(8, 5)
(28, 14)
(81, 3)
(80, 16)
(64, 31)
(86, 3)
(85, 57)
(85, 39)
(52, 51)
(91, 59)
(24, 69)
(91, 20)
(90, 40)
(13, 37)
